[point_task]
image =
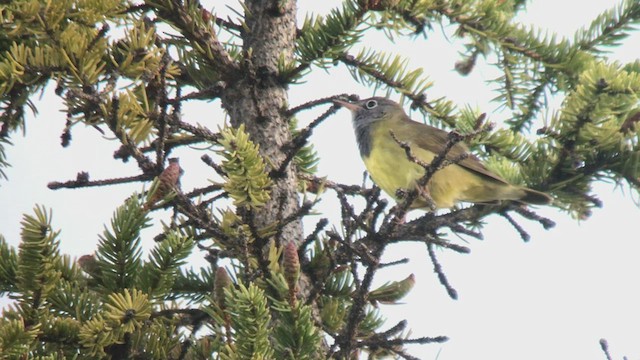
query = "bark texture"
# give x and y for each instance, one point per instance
(258, 101)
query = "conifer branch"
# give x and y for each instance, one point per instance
(313, 103)
(299, 141)
(161, 121)
(512, 37)
(531, 103)
(428, 224)
(609, 28)
(286, 290)
(528, 214)
(82, 181)
(189, 22)
(169, 144)
(411, 87)
(143, 161)
(199, 132)
(462, 229)
(323, 39)
(347, 339)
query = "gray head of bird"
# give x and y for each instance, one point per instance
(368, 111)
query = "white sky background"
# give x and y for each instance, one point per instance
(551, 298)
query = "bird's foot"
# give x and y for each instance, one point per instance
(425, 195)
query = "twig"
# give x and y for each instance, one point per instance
(349, 216)
(376, 342)
(420, 340)
(523, 234)
(528, 214)
(143, 161)
(202, 37)
(345, 189)
(314, 103)
(302, 211)
(318, 282)
(292, 147)
(228, 24)
(321, 224)
(605, 348)
(198, 216)
(169, 144)
(397, 328)
(161, 100)
(447, 245)
(458, 228)
(347, 338)
(209, 161)
(426, 340)
(82, 181)
(208, 93)
(438, 162)
(441, 276)
(429, 223)
(394, 263)
(222, 195)
(198, 131)
(205, 190)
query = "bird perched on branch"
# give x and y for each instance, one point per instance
(168, 181)
(381, 126)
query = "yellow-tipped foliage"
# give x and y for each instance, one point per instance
(130, 309)
(247, 179)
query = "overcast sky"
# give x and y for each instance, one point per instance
(551, 298)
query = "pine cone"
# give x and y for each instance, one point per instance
(167, 182)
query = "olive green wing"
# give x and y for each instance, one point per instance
(433, 139)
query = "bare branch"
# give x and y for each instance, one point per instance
(83, 181)
(441, 276)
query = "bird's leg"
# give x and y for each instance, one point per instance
(400, 210)
(425, 194)
(422, 193)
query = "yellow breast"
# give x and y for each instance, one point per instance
(390, 168)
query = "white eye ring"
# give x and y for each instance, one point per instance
(370, 104)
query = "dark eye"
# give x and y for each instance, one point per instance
(370, 104)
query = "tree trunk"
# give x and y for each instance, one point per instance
(258, 101)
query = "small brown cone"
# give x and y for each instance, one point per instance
(222, 281)
(88, 264)
(291, 265)
(167, 182)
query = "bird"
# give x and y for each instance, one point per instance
(377, 120)
(168, 181)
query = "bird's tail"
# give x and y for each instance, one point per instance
(535, 197)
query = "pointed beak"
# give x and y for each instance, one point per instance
(348, 105)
